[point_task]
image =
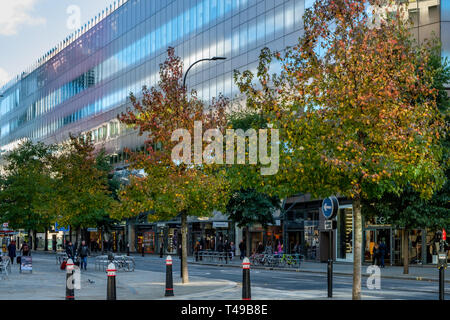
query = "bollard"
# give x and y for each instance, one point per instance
(142, 249)
(70, 291)
(111, 285)
(128, 249)
(246, 295)
(169, 279)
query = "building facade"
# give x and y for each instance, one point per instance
(83, 83)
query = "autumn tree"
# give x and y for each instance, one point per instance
(27, 187)
(81, 197)
(355, 117)
(180, 179)
(246, 205)
(408, 210)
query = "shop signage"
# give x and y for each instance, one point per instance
(160, 225)
(330, 224)
(67, 229)
(330, 207)
(92, 229)
(220, 224)
(26, 264)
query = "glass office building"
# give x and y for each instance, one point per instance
(83, 83)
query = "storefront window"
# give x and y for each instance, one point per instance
(345, 234)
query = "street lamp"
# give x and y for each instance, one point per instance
(206, 59)
(184, 86)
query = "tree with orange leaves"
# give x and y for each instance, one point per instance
(173, 188)
(355, 107)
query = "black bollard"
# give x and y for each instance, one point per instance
(111, 285)
(142, 249)
(169, 279)
(128, 249)
(330, 267)
(70, 292)
(441, 283)
(246, 295)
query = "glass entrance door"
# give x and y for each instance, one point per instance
(374, 236)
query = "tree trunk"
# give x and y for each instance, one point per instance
(405, 245)
(46, 240)
(184, 264)
(356, 292)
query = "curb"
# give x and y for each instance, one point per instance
(415, 278)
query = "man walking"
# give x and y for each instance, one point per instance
(70, 251)
(84, 252)
(12, 251)
(382, 250)
(242, 249)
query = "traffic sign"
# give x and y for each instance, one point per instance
(330, 207)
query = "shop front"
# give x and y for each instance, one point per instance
(344, 233)
(301, 227)
(145, 235)
(378, 231)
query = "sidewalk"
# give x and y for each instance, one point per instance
(424, 273)
(47, 282)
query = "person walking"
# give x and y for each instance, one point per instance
(161, 250)
(220, 248)
(25, 249)
(242, 249)
(376, 254)
(197, 250)
(12, 251)
(233, 250)
(84, 253)
(382, 250)
(70, 251)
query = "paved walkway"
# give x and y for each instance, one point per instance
(424, 272)
(47, 282)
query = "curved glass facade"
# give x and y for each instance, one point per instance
(85, 85)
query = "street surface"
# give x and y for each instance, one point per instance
(207, 282)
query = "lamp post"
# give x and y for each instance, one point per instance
(201, 60)
(184, 86)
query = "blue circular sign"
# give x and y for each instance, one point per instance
(330, 207)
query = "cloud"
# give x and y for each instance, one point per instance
(15, 13)
(4, 77)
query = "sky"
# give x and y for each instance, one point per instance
(30, 28)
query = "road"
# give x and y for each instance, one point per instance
(284, 281)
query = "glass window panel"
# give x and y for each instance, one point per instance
(270, 26)
(243, 38)
(213, 10)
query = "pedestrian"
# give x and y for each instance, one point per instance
(220, 248)
(260, 248)
(233, 250)
(25, 249)
(375, 255)
(268, 249)
(70, 250)
(227, 249)
(84, 253)
(197, 250)
(382, 251)
(279, 248)
(242, 249)
(12, 251)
